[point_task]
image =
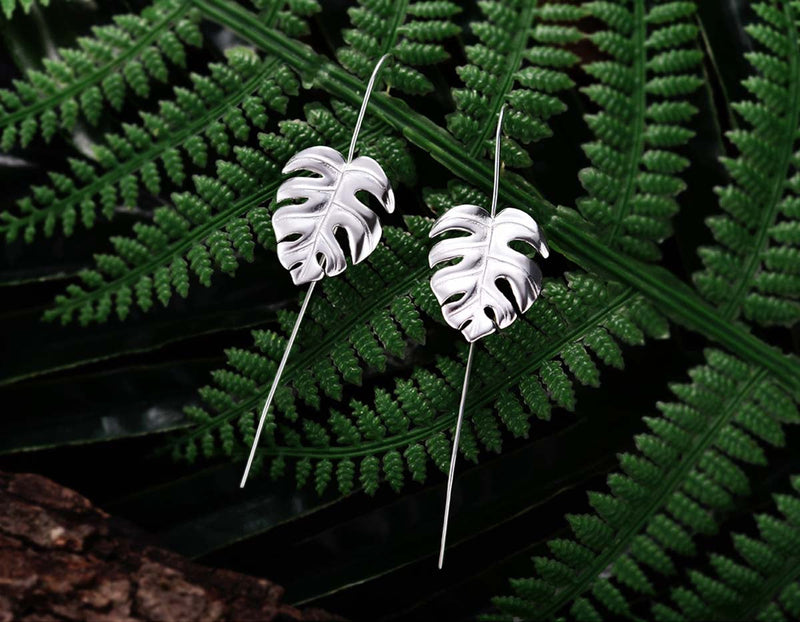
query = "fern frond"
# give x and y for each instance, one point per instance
(210, 229)
(643, 92)
(412, 32)
(685, 472)
(755, 268)
(8, 6)
(760, 584)
(584, 315)
(565, 228)
(517, 62)
(103, 68)
(289, 16)
(187, 130)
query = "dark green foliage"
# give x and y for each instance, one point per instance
(755, 268)
(222, 107)
(369, 396)
(642, 92)
(412, 32)
(8, 6)
(520, 60)
(685, 474)
(218, 224)
(760, 583)
(576, 325)
(102, 71)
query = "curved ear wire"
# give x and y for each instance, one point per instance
(310, 262)
(486, 260)
(363, 110)
(457, 436)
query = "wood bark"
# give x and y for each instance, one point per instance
(61, 558)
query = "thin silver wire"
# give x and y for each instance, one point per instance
(274, 386)
(454, 455)
(364, 103)
(299, 320)
(496, 185)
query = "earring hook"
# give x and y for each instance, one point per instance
(462, 404)
(497, 139)
(364, 103)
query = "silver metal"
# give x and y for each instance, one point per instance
(497, 137)
(275, 382)
(467, 290)
(306, 231)
(454, 454)
(364, 103)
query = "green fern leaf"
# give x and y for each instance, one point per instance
(685, 472)
(642, 92)
(128, 161)
(125, 55)
(762, 583)
(753, 270)
(411, 31)
(8, 6)
(517, 62)
(420, 408)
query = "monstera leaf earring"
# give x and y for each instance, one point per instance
(306, 228)
(468, 290)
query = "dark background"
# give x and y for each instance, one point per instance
(91, 408)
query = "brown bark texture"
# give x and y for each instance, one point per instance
(61, 558)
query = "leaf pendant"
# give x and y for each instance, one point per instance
(306, 231)
(486, 258)
(468, 290)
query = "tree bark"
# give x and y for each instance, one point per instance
(63, 559)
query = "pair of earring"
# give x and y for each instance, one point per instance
(467, 291)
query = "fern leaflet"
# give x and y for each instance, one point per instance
(505, 68)
(642, 92)
(224, 104)
(755, 268)
(573, 323)
(762, 584)
(117, 59)
(8, 6)
(412, 32)
(209, 229)
(684, 474)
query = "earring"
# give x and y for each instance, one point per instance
(306, 231)
(467, 291)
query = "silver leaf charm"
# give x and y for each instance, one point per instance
(306, 232)
(468, 292)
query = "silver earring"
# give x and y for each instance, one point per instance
(306, 231)
(467, 291)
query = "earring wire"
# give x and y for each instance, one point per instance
(310, 291)
(457, 436)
